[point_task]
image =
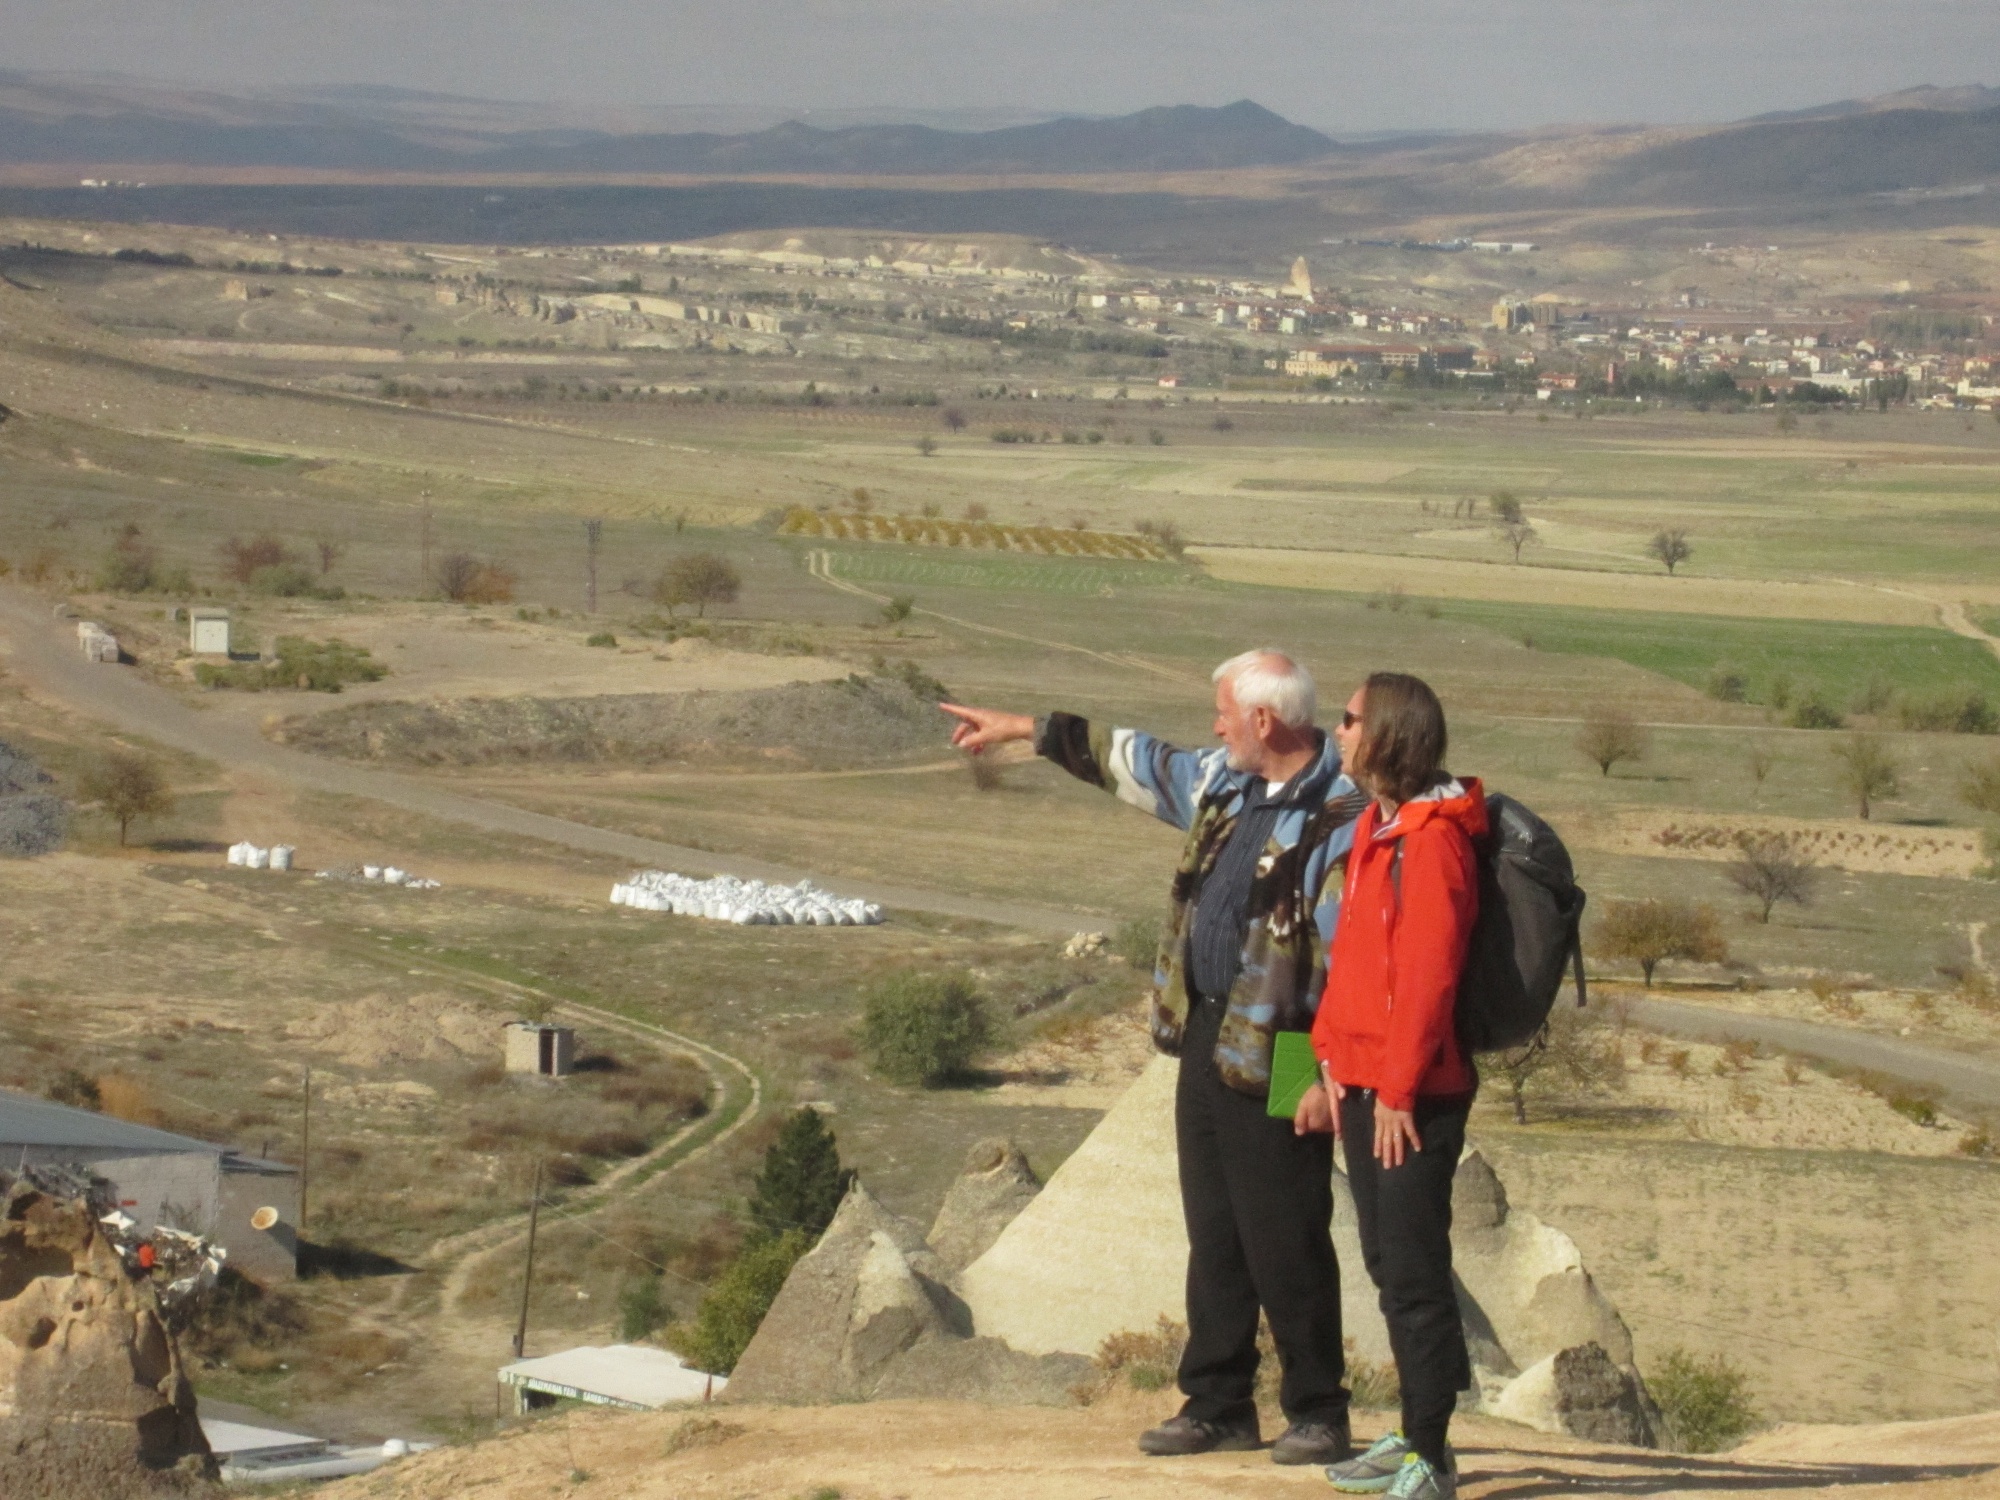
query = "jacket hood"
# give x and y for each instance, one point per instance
(1462, 802)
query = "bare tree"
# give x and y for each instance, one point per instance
(1867, 770)
(927, 445)
(330, 553)
(127, 786)
(1608, 736)
(1772, 867)
(1671, 546)
(1574, 1052)
(953, 419)
(1651, 931)
(700, 579)
(1516, 535)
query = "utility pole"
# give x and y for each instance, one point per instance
(528, 1274)
(305, 1151)
(592, 530)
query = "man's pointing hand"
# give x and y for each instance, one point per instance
(978, 728)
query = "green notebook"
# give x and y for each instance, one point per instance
(1294, 1069)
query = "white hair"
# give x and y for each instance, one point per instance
(1267, 678)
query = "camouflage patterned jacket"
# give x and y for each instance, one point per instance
(1294, 898)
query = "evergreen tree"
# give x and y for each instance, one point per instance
(802, 1182)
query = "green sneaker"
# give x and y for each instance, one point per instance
(1372, 1472)
(1420, 1479)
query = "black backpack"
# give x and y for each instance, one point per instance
(1529, 931)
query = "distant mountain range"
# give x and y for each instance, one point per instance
(1917, 141)
(86, 122)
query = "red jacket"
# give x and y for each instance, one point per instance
(1385, 1018)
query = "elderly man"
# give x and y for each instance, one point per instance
(1269, 819)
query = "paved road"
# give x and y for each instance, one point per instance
(1961, 1079)
(42, 650)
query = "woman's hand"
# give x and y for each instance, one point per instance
(1394, 1129)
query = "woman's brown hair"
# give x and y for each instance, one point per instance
(1402, 747)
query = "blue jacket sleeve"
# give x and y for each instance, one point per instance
(1133, 766)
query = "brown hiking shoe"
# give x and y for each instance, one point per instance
(1314, 1443)
(1179, 1436)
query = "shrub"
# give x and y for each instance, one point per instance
(1148, 1360)
(1953, 713)
(76, 1088)
(1138, 943)
(465, 579)
(801, 1182)
(898, 609)
(736, 1301)
(131, 567)
(291, 580)
(1728, 684)
(308, 666)
(601, 638)
(642, 1308)
(924, 1029)
(1873, 698)
(1811, 711)
(1979, 786)
(241, 560)
(1651, 931)
(1707, 1403)
(1609, 736)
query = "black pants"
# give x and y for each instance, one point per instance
(1259, 1202)
(1404, 1215)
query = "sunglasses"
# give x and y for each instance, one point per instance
(1349, 718)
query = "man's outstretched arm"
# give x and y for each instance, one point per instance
(1138, 769)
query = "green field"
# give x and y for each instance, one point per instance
(1837, 659)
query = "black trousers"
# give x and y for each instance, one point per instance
(1404, 1215)
(1259, 1203)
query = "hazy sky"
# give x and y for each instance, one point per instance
(1391, 64)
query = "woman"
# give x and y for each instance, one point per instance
(1395, 1085)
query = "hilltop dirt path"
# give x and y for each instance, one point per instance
(935, 1450)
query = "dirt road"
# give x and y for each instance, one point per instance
(1959, 1078)
(41, 649)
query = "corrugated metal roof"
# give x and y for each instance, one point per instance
(28, 1121)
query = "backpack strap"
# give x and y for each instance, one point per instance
(1576, 960)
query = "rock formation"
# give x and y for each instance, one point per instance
(1102, 1250)
(990, 1193)
(93, 1399)
(866, 1313)
(1582, 1391)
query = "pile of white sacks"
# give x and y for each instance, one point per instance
(747, 903)
(255, 857)
(390, 875)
